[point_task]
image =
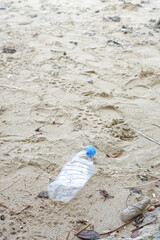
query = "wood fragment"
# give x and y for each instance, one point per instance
(82, 229)
(114, 230)
(143, 184)
(67, 238)
(10, 185)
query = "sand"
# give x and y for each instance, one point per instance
(84, 80)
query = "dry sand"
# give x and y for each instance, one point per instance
(97, 92)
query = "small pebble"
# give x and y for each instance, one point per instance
(151, 34)
(9, 76)
(9, 50)
(145, 1)
(151, 208)
(91, 82)
(154, 195)
(73, 42)
(32, 15)
(2, 217)
(43, 194)
(138, 5)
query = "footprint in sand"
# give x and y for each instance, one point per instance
(129, 6)
(109, 112)
(120, 129)
(137, 87)
(2, 109)
(143, 85)
(43, 113)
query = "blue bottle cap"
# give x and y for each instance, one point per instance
(90, 151)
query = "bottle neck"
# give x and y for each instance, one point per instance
(84, 154)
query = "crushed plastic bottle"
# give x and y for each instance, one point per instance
(73, 176)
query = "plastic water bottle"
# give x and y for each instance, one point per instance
(73, 176)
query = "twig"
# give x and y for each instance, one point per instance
(127, 199)
(82, 229)
(37, 129)
(115, 42)
(143, 184)
(12, 87)
(143, 225)
(150, 208)
(68, 236)
(152, 176)
(72, 237)
(114, 230)
(149, 138)
(13, 213)
(10, 185)
(156, 125)
(157, 205)
(4, 206)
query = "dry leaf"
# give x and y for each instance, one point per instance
(113, 156)
(105, 194)
(88, 235)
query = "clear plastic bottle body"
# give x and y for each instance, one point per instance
(72, 177)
